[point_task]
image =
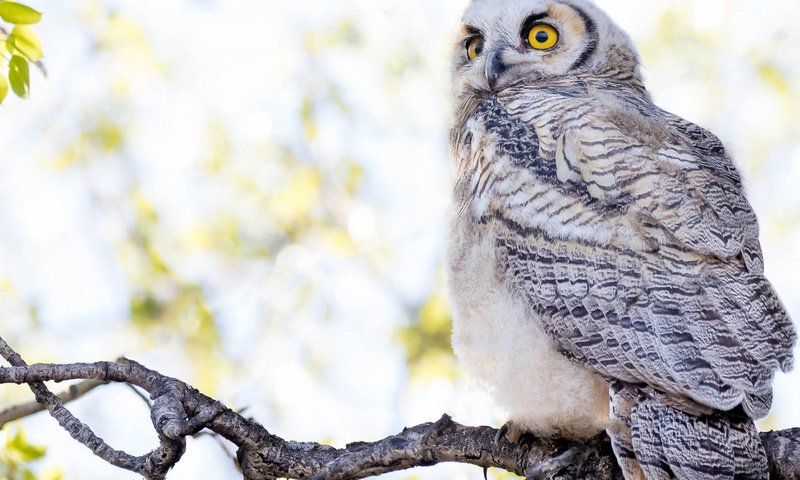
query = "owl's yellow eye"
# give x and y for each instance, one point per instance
(542, 36)
(474, 47)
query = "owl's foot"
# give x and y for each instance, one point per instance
(511, 431)
(573, 456)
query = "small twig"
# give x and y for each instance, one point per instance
(217, 438)
(74, 392)
(140, 395)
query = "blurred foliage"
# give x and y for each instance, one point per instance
(299, 199)
(18, 47)
(427, 340)
(17, 456)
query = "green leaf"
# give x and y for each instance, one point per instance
(3, 88)
(19, 75)
(13, 12)
(24, 40)
(24, 450)
(145, 310)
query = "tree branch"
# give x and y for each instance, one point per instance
(74, 392)
(151, 466)
(178, 410)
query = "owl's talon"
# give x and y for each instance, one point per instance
(511, 431)
(500, 434)
(572, 456)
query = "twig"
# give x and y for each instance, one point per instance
(74, 392)
(142, 396)
(225, 447)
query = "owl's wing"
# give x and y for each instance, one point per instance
(671, 171)
(694, 316)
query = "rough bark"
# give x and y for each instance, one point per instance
(178, 410)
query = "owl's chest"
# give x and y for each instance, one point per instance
(488, 319)
(499, 341)
(518, 172)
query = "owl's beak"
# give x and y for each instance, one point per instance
(494, 67)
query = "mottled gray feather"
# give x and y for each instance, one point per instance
(626, 231)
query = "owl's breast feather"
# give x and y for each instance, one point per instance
(499, 342)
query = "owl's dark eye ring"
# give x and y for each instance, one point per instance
(474, 47)
(541, 36)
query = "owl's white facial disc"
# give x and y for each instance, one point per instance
(503, 42)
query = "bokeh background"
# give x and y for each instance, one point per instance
(253, 197)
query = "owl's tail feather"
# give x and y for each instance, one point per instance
(662, 442)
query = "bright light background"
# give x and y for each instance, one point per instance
(253, 196)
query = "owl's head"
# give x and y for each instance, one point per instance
(506, 42)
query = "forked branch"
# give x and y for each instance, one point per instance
(178, 411)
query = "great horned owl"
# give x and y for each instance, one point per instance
(603, 246)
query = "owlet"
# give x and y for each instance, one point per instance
(604, 263)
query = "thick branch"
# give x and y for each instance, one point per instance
(180, 410)
(420, 446)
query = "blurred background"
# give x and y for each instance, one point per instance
(253, 197)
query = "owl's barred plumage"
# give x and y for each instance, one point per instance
(600, 242)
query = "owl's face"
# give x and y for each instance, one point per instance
(503, 42)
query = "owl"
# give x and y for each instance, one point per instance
(604, 264)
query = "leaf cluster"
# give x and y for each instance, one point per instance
(16, 455)
(19, 47)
